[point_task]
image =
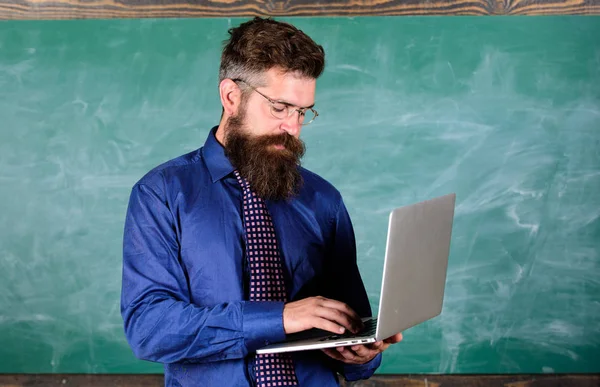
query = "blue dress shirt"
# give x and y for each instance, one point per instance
(185, 274)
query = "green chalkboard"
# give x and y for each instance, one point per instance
(503, 111)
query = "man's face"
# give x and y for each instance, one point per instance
(267, 150)
(287, 88)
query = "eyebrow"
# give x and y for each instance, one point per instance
(294, 105)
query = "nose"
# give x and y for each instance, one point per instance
(291, 125)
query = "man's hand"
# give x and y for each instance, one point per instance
(322, 313)
(360, 354)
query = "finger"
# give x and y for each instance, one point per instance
(378, 346)
(349, 355)
(327, 325)
(343, 354)
(375, 345)
(364, 352)
(394, 339)
(334, 304)
(343, 308)
(333, 354)
(339, 317)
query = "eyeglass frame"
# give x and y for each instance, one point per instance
(288, 105)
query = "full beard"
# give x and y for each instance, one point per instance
(272, 173)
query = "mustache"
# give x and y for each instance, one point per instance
(288, 141)
(276, 139)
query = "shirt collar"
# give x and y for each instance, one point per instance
(217, 162)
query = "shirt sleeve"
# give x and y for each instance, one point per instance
(347, 285)
(161, 324)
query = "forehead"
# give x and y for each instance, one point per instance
(290, 87)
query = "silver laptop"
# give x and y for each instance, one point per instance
(414, 278)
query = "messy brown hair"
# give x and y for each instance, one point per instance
(259, 45)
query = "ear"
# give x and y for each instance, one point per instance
(231, 96)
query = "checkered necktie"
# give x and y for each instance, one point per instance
(266, 281)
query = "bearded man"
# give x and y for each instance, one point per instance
(234, 246)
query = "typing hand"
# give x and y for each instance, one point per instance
(360, 354)
(322, 313)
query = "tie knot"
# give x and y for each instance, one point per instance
(243, 182)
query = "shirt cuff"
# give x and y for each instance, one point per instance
(361, 371)
(262, 323)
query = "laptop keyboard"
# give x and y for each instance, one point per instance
(368, 330)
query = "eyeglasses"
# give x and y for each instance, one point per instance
(282, 110)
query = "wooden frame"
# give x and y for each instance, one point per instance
(95, 9)
(101, 9)
(73, 380)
